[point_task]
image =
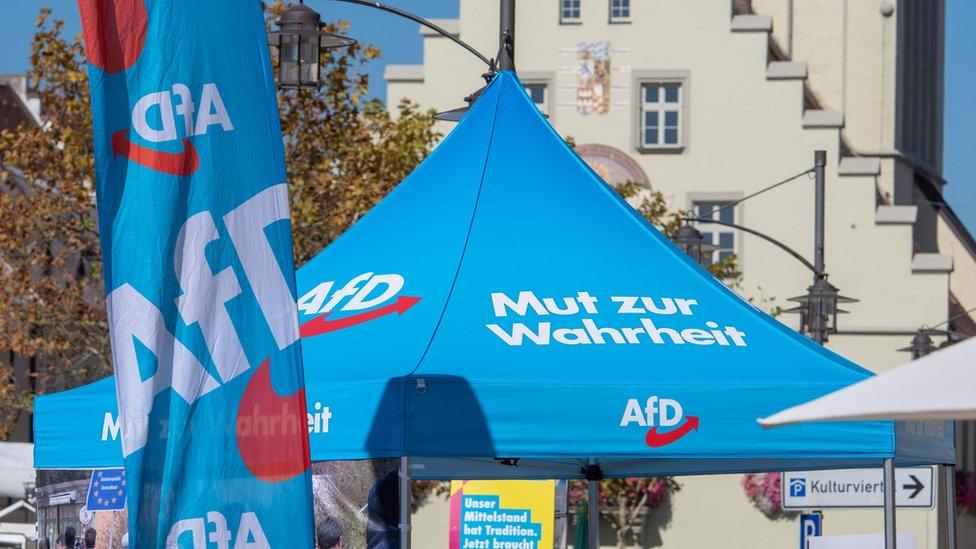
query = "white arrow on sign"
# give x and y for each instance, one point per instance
(855, 488)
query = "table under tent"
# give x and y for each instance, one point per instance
(503, 313)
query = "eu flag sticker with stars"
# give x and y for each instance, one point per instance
(106, 491)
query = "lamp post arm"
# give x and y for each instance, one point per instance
(877, 332)
(426, 23)
(769, 239)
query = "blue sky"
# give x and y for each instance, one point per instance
(960, 112)
(400, 43)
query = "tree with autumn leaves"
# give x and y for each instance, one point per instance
(50, 265)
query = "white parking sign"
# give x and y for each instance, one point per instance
(855, 488)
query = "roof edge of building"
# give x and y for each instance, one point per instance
(931, 263)
(752, 23)
(404, 73)
(452, 26)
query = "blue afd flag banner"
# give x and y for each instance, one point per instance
(196, 244)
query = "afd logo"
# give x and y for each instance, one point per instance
(798, 487)
(655, 413)
(203, 305)
(198, 531)
(363, 298)
(154, 119)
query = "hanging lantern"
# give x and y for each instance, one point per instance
(300, 39)
(691, 241)
(818, 309)
(921, 344)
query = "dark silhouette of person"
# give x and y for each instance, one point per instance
(90, 538)
(383, 513)
(328, 534)
(465, 427)
(69, 537)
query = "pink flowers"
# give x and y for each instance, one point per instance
(630, 490)
(763, 490)
(626, 502)
(966, 491)
(658, 490)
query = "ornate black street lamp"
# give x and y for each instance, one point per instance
(921, 344)
(300, 42)
(818, 308)
(690, 240)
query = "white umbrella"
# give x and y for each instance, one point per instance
(941, 385)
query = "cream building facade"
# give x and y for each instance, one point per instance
(710, 101)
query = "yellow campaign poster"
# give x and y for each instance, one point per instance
(502, 514)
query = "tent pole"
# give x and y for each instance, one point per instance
(593, 513)
(404, 503)
(949, 481)
(891, 532)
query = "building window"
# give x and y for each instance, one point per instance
(569, 11)
(619, 11)
(712, 233)
(537, 91)
(661, 115)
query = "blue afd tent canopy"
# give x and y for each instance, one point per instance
(503, 313)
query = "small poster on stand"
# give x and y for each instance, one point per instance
(502, 513)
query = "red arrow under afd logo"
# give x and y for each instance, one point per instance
(321, 324)
(181, 163)
(656, 440)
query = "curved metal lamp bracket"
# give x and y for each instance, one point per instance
(754, 232)
(428, 24)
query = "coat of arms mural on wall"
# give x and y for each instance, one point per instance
(593, 71)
